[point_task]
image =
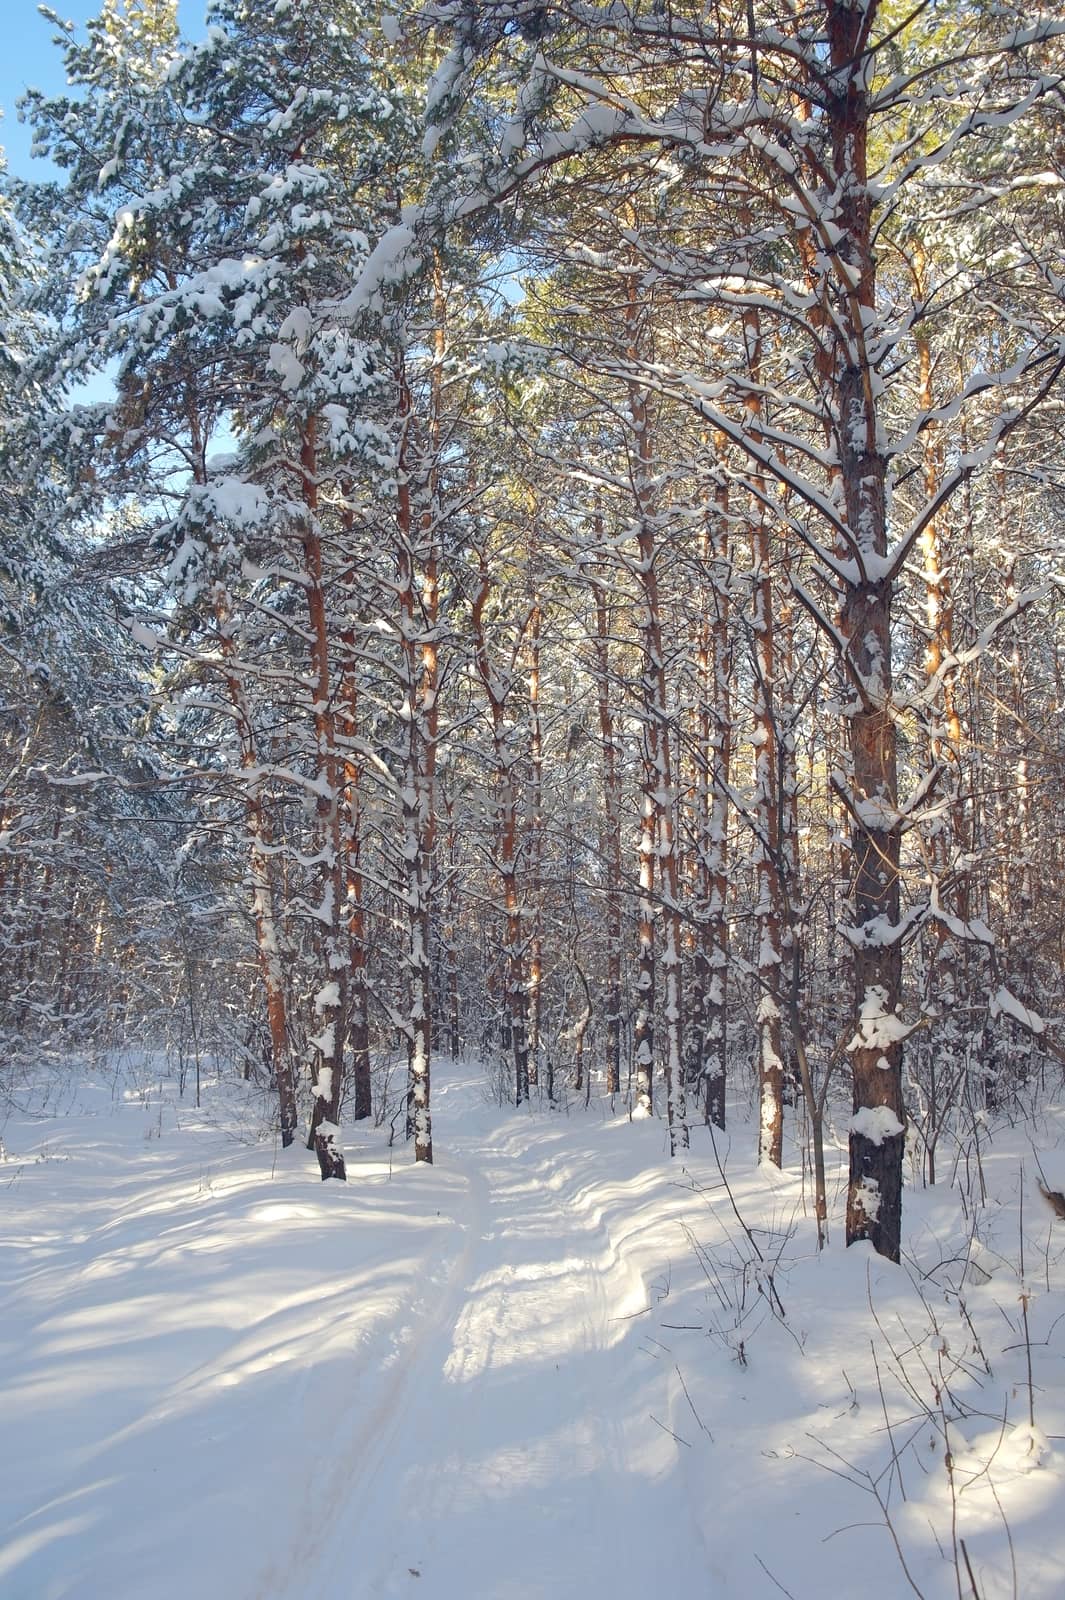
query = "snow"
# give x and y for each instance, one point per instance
(324, 1042)
(328, 995)
(143, 635)
(1005, 1004)
(233, 499)
(876, 1123)
(868, 1199)
(297, 327)
(288, 366)
(878, 1028)
(393, 259)
(224, 1377)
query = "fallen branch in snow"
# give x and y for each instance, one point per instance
(691, 1404)
(672, 1435)
(771, 1578)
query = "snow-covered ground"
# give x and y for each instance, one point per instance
(554, 1366)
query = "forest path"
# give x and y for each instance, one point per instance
(225, 1380)
(228, 1379)
(511, 1453)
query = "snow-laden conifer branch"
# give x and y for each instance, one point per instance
(1048, 365)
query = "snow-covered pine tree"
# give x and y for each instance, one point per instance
(243, 197)
(87, 839)
(827, 132)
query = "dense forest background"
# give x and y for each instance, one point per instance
(535, 530)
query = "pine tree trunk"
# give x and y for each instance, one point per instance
(260, 874)
(515, 999)
(766, 802)
(941, 1048)
(536, 843)
(719, 698)
(330, 1009)
(418, 616)
(874, 1200)
(610, 835)
(358, 1022)
(451, 944)
(658, 833)
(792, 963)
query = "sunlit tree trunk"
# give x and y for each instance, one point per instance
(609, 832)
(418, 607)
(260, 878)
(658, 845)
(450, 930)
(505, 760)
(940, 1049)
(354, 893)
(766, 791)
(330, 1000)
(874, 1199)
(713, 760)
(536, 840)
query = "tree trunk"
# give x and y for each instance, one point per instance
(330, 1009)
(874, 1200)
(610, 835)
(418, 617)
(717, 693)
(505, 757)
(260, 874)
(658, 806)
(766, 803)
(536, 842)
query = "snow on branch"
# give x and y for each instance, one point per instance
(394, 259)
(1005, 1004)
(758, 448)
(1053, 364)
(880, 933)
(953, 663)
(972, 931)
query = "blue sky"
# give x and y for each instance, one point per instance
(29, 59)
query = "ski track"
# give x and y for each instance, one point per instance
(517, 1403)
(471, 1381)
(458, 1406)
